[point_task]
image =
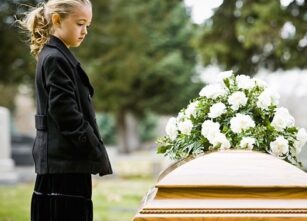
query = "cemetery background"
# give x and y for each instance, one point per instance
(153, 67)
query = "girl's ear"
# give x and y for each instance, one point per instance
(56, 19)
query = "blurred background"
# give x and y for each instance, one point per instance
(146, 61)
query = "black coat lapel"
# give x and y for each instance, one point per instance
(85, 80)
(56, 42)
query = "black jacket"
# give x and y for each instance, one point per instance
(67, 137)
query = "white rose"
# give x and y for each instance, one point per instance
(301, 139)
(247, 142)
(241, 122)
(280, 146)
(217, 110)
(225, 74)
(237, 99)
(266, 98)
(213, 91)
(185, 127)
(210, 129)
(221, 141)
(171, 128)
(192, 109)
(282, 119)
(245, 82)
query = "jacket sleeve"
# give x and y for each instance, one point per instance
(63, 106)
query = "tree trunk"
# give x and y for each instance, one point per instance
(127, 134)
(122, 139)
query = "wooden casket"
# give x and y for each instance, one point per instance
(228, 186)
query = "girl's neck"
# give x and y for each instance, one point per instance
(54, 34)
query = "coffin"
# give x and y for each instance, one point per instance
(227, 186)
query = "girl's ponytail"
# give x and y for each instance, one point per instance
(37, 24)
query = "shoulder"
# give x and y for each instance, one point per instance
(51, 57)
(49, 53)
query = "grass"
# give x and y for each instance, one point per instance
(114, 199)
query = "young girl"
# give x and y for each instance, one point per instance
(67, 147)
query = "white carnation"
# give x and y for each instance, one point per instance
(282, 119)
(210, 129)
(266, 98)
(301, 139)
(180, 117)
(225, 74)
(260, 82)
(247, 143)
(237, 99)
(185, 127)
(217, 110)
(171, 128)
(264, 101)
(213, 91)
(280, 146)
(241, 122)
(245, 82)
(192, 109)
(301, 135)
(221, 141)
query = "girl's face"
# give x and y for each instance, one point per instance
(73, 28)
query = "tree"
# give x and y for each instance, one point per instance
(16, 65)
(143, 58)
(247, 35)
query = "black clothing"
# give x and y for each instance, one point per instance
(62, 197)
(67, 139)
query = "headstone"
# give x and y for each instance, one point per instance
(228, 186)
(7, 173)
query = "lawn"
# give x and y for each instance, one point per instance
(114, 199)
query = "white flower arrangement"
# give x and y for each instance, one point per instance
(239, 112)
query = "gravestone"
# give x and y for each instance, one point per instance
(7, 173)
(228, 186)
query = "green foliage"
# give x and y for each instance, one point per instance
(141, 56)
(8, 92)
(106, 125)
(147, 127)
(16, 64)
(246, 35)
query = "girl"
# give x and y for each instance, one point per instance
(67, 147)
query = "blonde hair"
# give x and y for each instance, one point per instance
(37, 22)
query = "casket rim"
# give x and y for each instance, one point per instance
(179, 163)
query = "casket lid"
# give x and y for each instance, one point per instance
(233, 168)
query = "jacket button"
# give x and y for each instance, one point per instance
(89, 97)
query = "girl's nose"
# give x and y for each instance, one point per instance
(84, 31)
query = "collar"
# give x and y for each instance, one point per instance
(57, 43)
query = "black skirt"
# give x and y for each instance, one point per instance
(62, 197)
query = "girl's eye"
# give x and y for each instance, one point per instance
(79, 24)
